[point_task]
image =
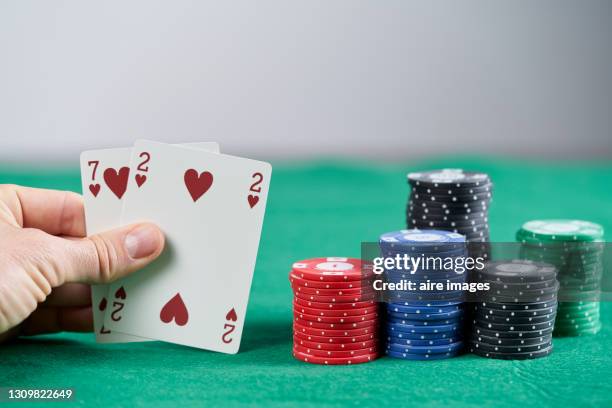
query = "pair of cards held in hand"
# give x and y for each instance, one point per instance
(210, 207)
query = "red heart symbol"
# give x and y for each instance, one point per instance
(120, 293)
(95, 189)
(175, 310)
(252, 200)
(231, 315)
(117, 180)
(102, 305)
(197, 184)
(140, 179)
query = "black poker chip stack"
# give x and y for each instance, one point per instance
(514, 320)
(452, 200)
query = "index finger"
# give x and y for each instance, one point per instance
(53, 211)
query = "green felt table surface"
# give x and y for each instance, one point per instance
(327, 209)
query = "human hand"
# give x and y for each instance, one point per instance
(46, 263)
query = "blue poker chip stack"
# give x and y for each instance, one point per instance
(424, 323)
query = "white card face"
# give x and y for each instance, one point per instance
(104, 178)
(211, 209)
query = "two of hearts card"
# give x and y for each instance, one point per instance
(210, 207)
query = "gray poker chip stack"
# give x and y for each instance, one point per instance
(514, 319)
(452, 200)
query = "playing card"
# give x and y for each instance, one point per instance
(104, 177)
(211, 209)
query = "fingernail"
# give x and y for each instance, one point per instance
(142, 241)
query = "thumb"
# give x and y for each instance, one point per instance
(111, 255)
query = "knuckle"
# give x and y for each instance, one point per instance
(106, 258)
(69, 214)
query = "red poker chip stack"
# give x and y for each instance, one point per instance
(335, 314)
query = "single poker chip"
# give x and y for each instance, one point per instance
(572, 331)
(590, 314)
(513, 356)
(574, 259)
(478, 309)
(334, 306)
(426, 316)
(426, 310)
(431, 222)
(414, 251)
(453, 191)
(515, 320)
(415, 240)
(511, 334)
(332, 269)
(403, 348)
(521, 297)
(499, 341)
(517, 270)
(366, 311)
(412, 356)
(438, 304)
(334, 299)
(579, 305)
(445, 214)
(551, 298)
(510, 349)
(400, 297)
(333, 339)
(431, 342)
(410, 322)
(445, 198)
(511, 327)
(315, 284)
(454, 211)
(580, 296)
(336, 346)
(463, 227)
(335, 361)
(412, 329)
(448, 178)
(563, 230)
(336, 319)
(331, 292)
(467, 226)
(298, 328)
(396, 296)
(569, 291)
(472, 205)
(577, 323)
(518, 306)
(407, 338)
(498, 285)
(336, 326)
(334, 354)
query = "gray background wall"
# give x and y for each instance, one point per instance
(279, 78)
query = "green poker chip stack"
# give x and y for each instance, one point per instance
(576, 249)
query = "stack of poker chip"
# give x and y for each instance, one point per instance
(576, 249)
(423, 324)
(514, 319)
(451, 200)
(335, 316)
